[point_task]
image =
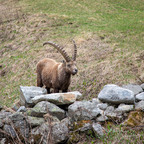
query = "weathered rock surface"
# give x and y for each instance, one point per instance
(35, 121)
(110, 112)
(135, 88)
(140, 96)
(60, 131)
(29, 92)
(142, 86)
(102, 106)
(140, 105)
(20, 123)
(102, 118)
(83, 110)
(98, 130)
(45, 107)
(59, 98)
(124, 108)
(51, 133)
(10, 131)
(4, 114)
(116, 95)
(1, 123)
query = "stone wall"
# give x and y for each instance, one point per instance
(55, 118)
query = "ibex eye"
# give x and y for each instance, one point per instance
(68, 65)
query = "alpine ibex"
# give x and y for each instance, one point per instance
(57, 75)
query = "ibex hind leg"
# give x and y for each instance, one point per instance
(39, 80)
(48, 90)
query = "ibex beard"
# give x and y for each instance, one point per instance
(52, 74)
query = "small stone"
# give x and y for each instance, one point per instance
(98, 130)
(3, 141)
(22, 109)
(140, 106)
(140, 96)
(135, 88)
(102, 106)
(102, 118)
(116, 95)
(124, 108)
(16, 105)
(96, 101)
(109, 112)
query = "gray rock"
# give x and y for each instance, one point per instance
(102, 106)
(96, 101)
(35, 121)
(59, 98)
(102, 118)
(140, 105)
(10, 131)
(60, 131)
(4, 114)
(45, 107)
(29, 92)
(20, 123)
(124, 108)
(86, 127)
(83, 110)
(116, 95)
(22, 109)
(142, 86)
(110, 112)
(140, 96)
(133, 87)
(98, 130)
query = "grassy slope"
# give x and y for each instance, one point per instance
(117, 24)
(109, 35)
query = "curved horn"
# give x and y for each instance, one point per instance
(75, 51)
(60, 49)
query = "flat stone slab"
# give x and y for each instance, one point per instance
(29, 92)
(133, 87)
(140, 96)
(116, 95)
(58, 98)
(124, 108)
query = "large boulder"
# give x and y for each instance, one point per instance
(45, 107)
(59, 98)
(114, 94)
(29, 92)
(83, 110)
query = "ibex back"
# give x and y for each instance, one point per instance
(52, 74)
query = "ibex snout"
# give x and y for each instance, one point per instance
(74, 71)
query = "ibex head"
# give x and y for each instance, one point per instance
(69, 64)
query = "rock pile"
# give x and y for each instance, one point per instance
(56, 118)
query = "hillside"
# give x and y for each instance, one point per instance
(109, 36)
